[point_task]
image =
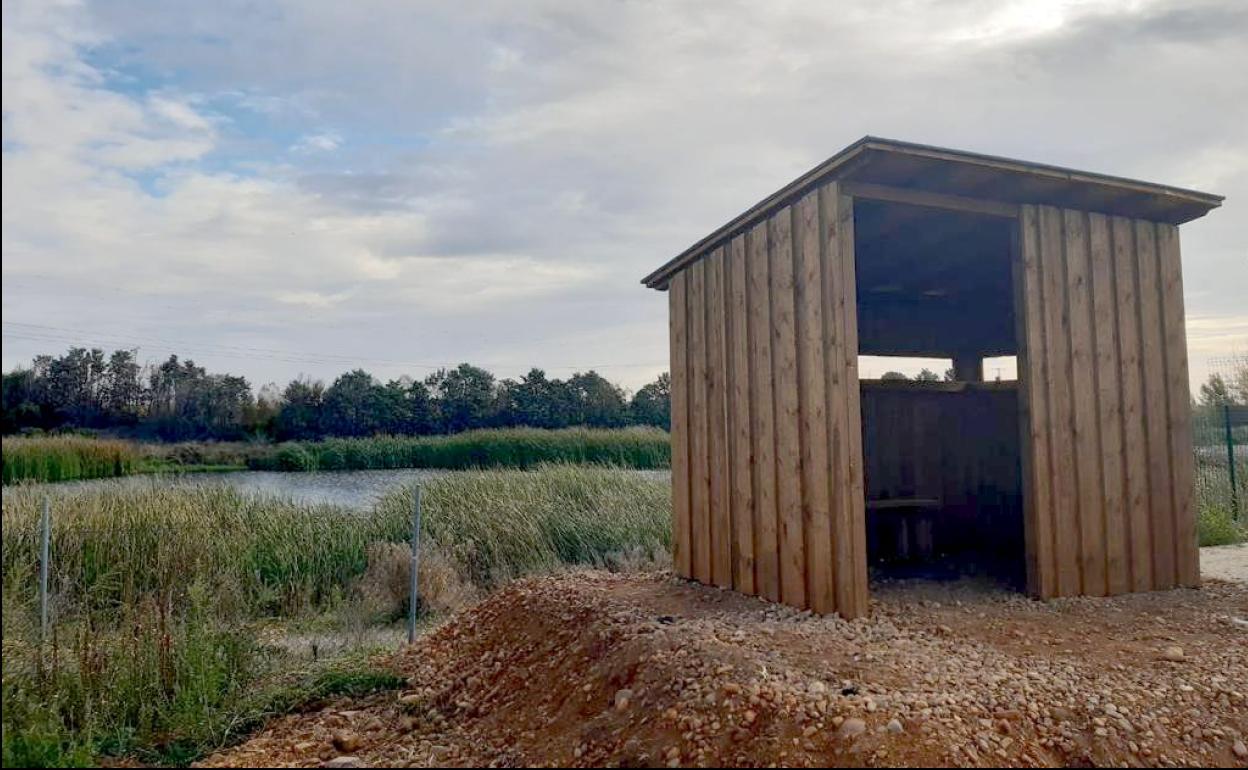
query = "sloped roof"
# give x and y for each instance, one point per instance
(873, 160)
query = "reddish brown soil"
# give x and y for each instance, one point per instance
(637, 670)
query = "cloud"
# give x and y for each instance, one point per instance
(323, 142)
(497, 178)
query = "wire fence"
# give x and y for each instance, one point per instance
(1220, 438)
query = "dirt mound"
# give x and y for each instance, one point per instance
(599, 669)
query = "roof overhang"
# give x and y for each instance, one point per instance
(965, 175)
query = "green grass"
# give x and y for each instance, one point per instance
(166, 600)
(507, 448)
(64, 458)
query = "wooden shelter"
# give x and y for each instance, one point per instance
(1080, 472)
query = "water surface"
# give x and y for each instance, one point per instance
(357, 490)
(350, 489)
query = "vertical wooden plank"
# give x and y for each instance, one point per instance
(717, 428)
(847, 298)
(1108, 396)
(1182, 477)
(680, 425)
(788, 418)
(739, 411)
(766, 542)
(1086, 425)
(1152, 345)
(699, 455)
(1033, 407)
(839, 491)
(812, 373)
(1061, 441)
(1130, 361)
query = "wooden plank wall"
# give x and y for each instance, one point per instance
(766, 428)
(1105, 404)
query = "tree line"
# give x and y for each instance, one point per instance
(175, 400)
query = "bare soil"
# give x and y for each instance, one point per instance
(592, 668)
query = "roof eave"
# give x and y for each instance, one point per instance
(837, 164)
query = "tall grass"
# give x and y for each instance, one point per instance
(505, 448)
(112, 546)
(499, 524)
(62, 458)
(159, 593)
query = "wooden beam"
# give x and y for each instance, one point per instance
(881, 192)
(968, 367)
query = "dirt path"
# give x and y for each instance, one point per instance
(1225, 562)
(600, 669)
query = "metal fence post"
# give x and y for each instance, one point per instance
(1230, 460)
(43, 570)
(411, 610)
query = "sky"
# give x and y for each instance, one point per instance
(298, 188)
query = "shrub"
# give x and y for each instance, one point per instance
(1215, 525)
(294, 457)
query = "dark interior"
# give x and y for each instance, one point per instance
(942, 463)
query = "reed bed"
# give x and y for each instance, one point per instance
(64, 458)
(500, 524)
(646, 448)
(163, 597)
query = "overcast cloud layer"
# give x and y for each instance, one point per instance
(302, 187)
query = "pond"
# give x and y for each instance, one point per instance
(349, 489)
(357, 490)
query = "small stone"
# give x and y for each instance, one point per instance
(749, 716)
(346, 741)
(894, 726)
(623, 698)
(343, 762)
(851, 728)
(1240, 750)
(1172, 653)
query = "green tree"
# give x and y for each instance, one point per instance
(1215, 392)
(353, 405)
(122, 396)
(596, 402)
(21, 401)
(652, 405)
(403, 408)
(538, 401)
(300, 414)
(463, 397)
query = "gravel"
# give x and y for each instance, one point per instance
(592, 669)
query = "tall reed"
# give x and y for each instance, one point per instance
(157, 592)
(62, 458)
(504, 448)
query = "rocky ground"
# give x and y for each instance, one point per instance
(646, 670)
